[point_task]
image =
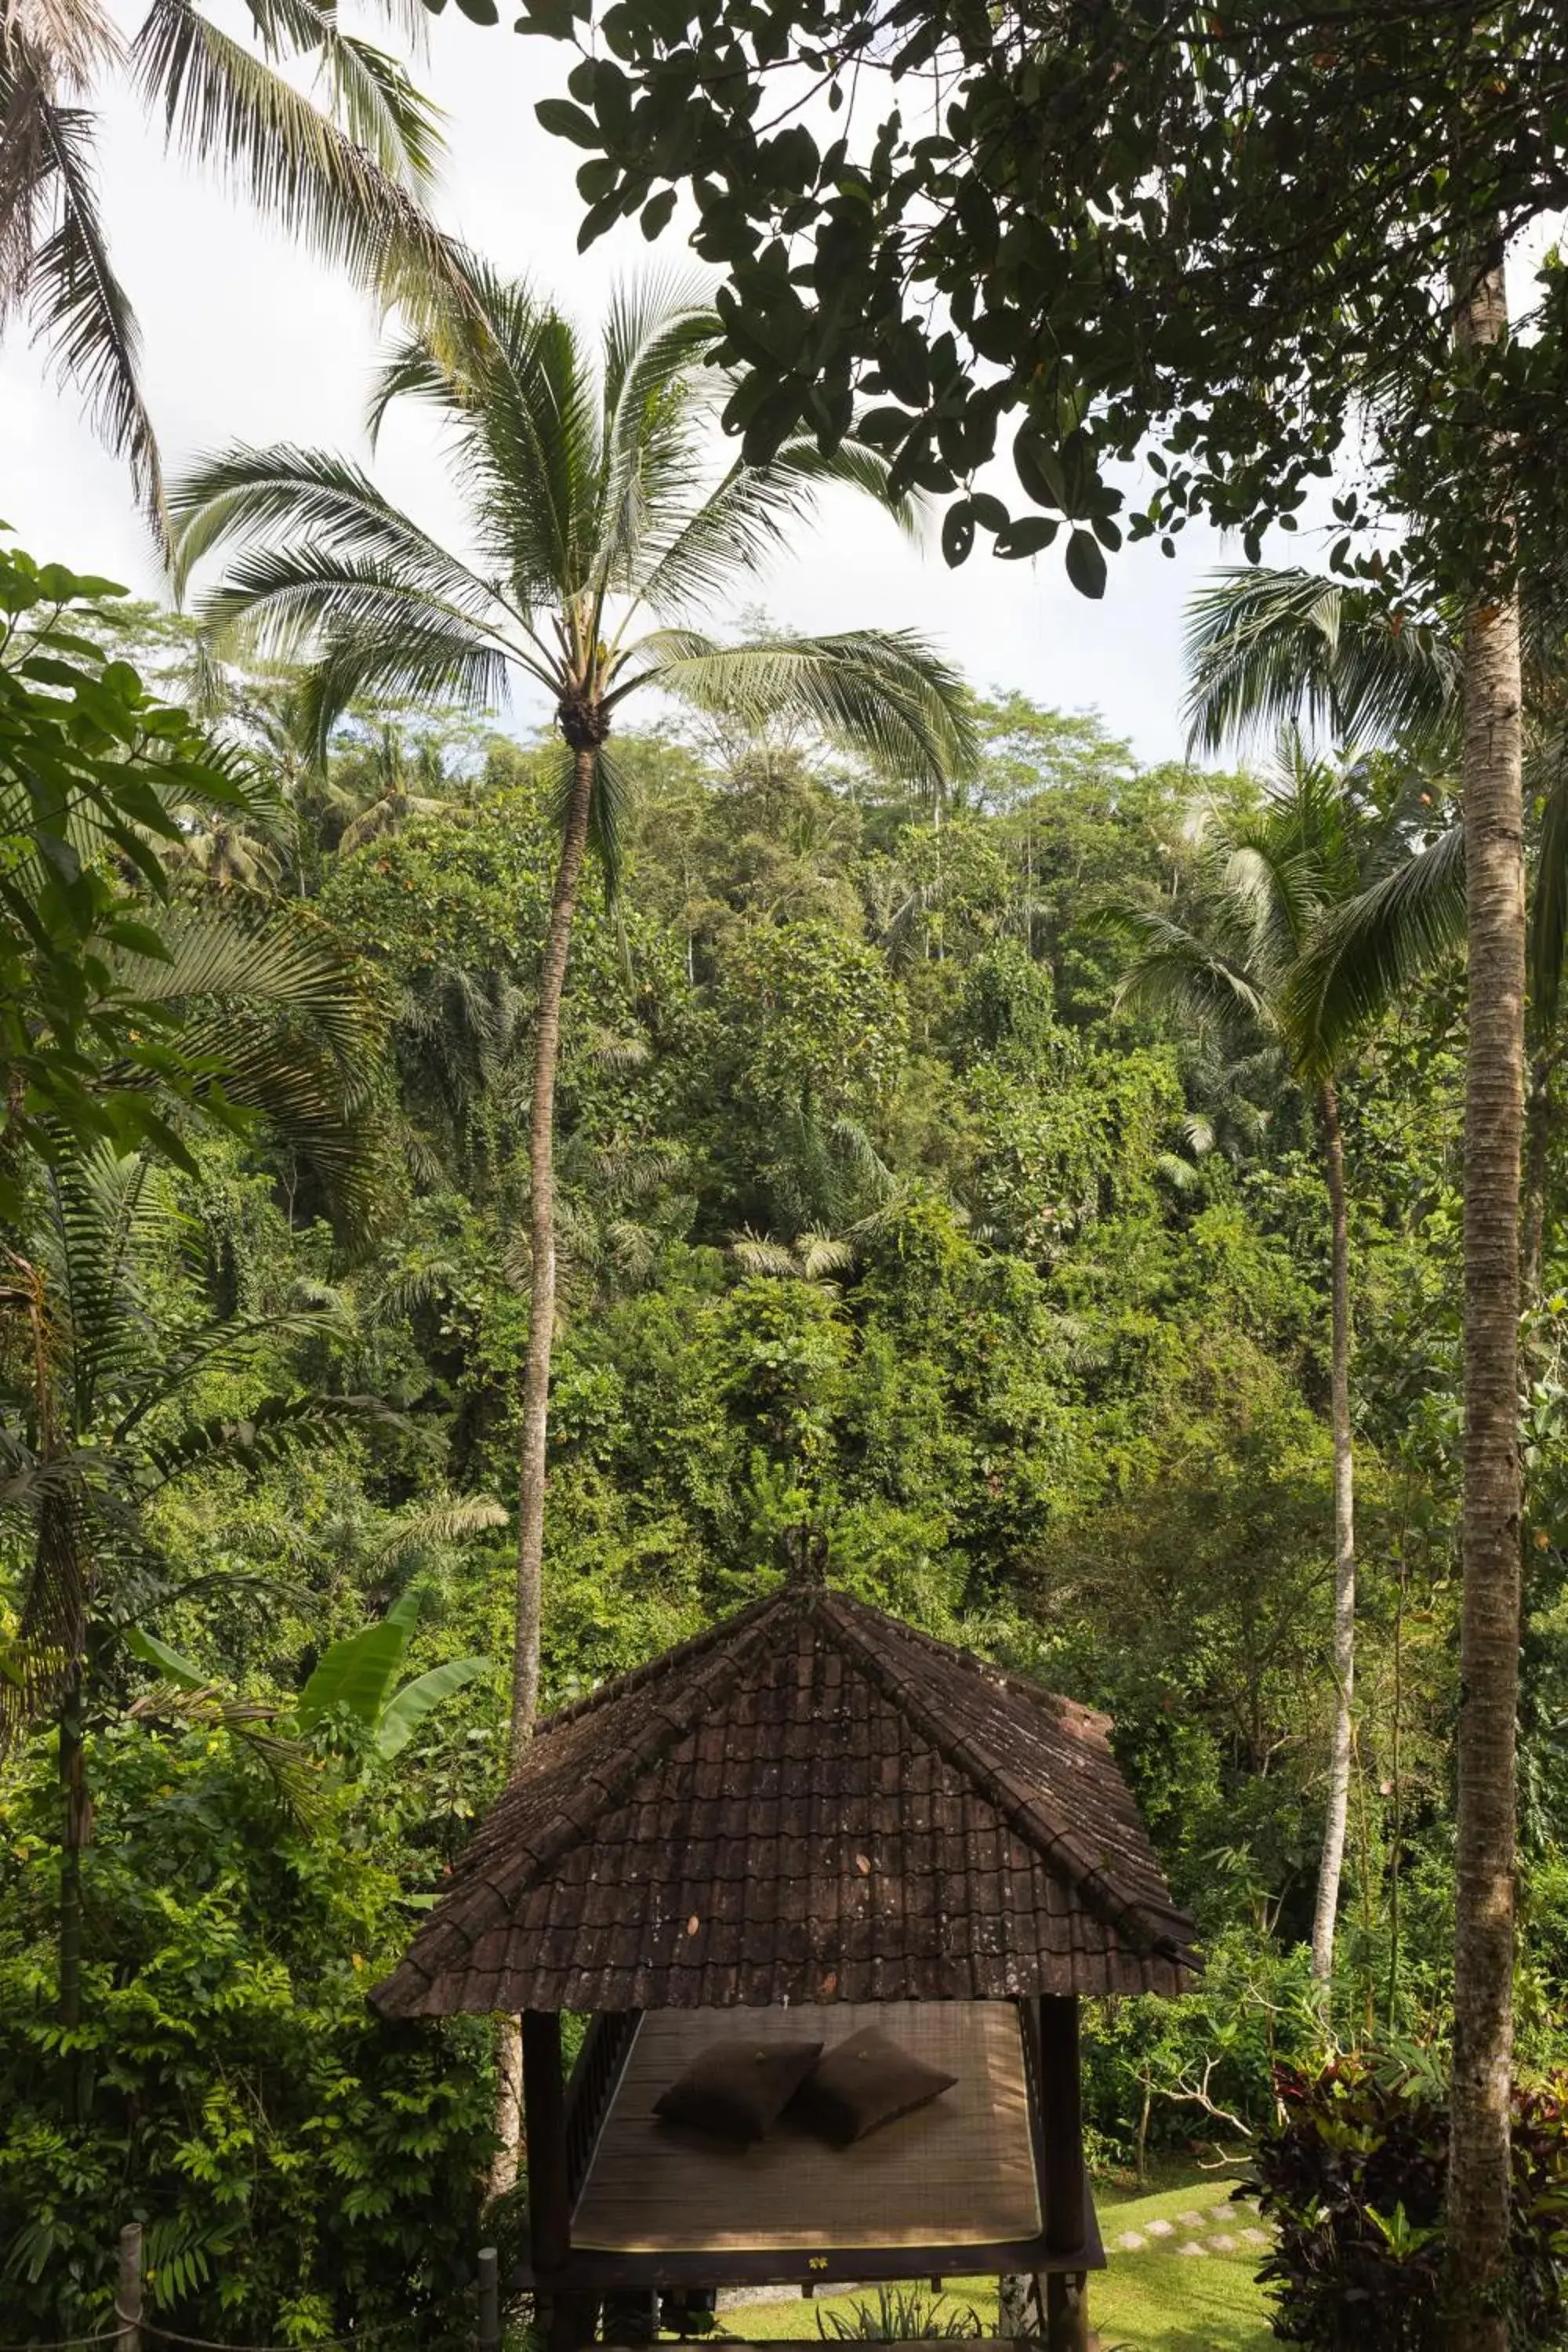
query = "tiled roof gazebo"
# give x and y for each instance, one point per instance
(808, 1804)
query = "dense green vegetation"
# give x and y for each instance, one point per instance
(877, 1212)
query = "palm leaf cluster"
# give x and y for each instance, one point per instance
(1273, 649)
(106, 1412)
(345, 169)
(1267, 650)
(601, 529)
(1303, 917)
(268, 1022)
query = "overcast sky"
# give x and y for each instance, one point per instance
(246, 338)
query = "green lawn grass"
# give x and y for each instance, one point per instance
(1154, 2298)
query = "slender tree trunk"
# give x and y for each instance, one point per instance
(531, 1465)
(1333, 1854)
(535, 1428)
(1477, 2201)
(509, 2107)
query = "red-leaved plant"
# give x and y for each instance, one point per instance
(1352, 2179)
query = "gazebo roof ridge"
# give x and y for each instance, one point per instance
(1056, 1845)
(1077, 1711)
(667, 1661)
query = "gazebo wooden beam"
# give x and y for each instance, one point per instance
(544, 2122)
(1062, 2292)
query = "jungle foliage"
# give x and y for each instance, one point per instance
(877, 1211)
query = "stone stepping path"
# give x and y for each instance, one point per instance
(1155, 2236)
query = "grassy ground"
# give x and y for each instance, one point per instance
(1159, 2293)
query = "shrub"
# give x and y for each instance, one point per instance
(1353, 2179)
(299, 2165)
(1161, 2074)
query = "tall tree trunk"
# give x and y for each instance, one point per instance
(1332, 1863)
(535, 1429)
(530, 1461)
(1478, 2201)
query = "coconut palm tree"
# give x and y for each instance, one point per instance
(1298, 931)
(348, 176)
(603, 529)
(389, 784)
(1265, 648)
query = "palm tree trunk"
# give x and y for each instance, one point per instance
(1332, 1861)
(1477, 2201)
(531, 1465)
(535, 1430)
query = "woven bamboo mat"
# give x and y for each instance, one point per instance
(960, 2172)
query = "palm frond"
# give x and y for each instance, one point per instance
(219, 1347)
(758, 1254)
(285, 1031)
(653, 463)
(821, 1254)
(370, 92)
(400, 647)
(1182, 1175)
(414, 370)
(370, 627)
(27, 170)
(310, 500)
(1175, 969)
(853, 1143)
(854, 465)
(412, 1287)
(215, 963)
(1266, 649)
(1377, 944)
(266, 1434)
(82, 312)
(439, 1525)
(236, 114)
(515, 383)
(696, 553)
(70, 40)
(886, 697)
(533, 463)
(106, 1213)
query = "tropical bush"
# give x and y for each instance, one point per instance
(296, 2163)
(1354, 2180)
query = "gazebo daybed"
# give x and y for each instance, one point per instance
(807, 1818)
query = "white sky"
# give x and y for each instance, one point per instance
(246, 338)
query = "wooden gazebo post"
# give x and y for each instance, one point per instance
(566, 2319)
(1061, 2102)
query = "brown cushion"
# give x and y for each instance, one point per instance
(737, 2089)
(863, 2082)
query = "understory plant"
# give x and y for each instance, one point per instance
(299, 2167)
(1354, 2180)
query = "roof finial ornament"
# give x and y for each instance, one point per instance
(807, 1552)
